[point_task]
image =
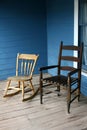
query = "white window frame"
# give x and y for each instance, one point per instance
(76, 12)
(76, 9)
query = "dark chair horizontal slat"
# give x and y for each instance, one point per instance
(70, 58)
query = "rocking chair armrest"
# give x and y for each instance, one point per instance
(48, 67)
(73, 72)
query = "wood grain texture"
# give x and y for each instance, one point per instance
(51, 115)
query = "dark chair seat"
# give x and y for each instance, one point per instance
(60, 79)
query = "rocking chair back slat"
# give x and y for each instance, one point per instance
(25, 64)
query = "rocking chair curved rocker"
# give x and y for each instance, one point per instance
(25, 65)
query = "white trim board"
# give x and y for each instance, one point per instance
(76, 16)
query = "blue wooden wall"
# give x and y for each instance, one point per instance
(35, 26)
(60, 26)
(23, 30)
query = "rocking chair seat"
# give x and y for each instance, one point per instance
(18, 78)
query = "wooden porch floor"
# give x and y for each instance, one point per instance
(31, 115)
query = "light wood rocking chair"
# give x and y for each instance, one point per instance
(68, 80)
(25, 65)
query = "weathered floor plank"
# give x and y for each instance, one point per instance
(51, 115)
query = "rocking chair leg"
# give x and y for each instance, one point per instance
(22, 91)
(8, 84)
(32, 87)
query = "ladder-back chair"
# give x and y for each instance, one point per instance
(25, 65)
(67, 75)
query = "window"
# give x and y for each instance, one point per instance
(80, 27)
(83, 29)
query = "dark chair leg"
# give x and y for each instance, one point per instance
(58, 89)
(78, 97)
(78, 91)
(41, 90)
(68, 96)
(68, 107)
(41, 96)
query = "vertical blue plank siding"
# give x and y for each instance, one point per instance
(84, 85)
(35, 26)
(60, 26)
(23, 30)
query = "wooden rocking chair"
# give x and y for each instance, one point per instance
(69, 79)
(25, 65)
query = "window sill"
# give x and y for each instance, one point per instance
(84, 72)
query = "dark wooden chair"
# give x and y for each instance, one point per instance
(71, 78)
